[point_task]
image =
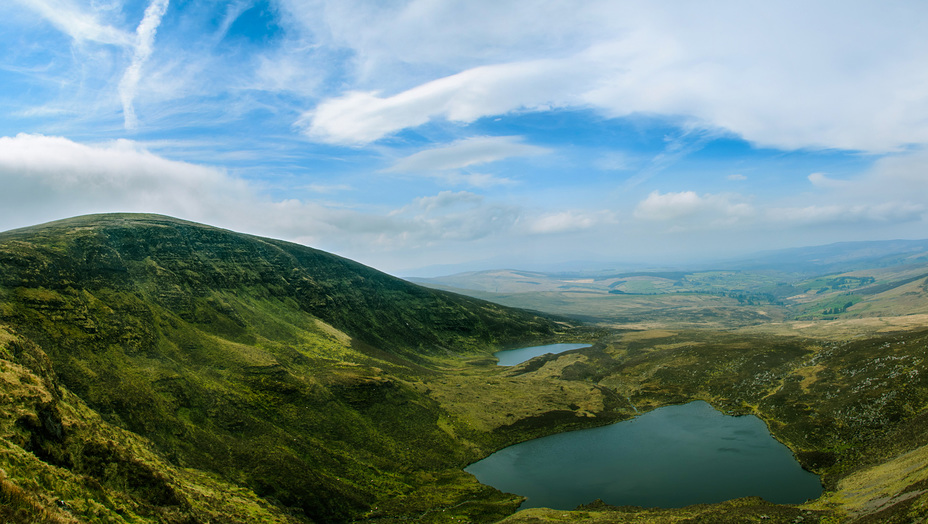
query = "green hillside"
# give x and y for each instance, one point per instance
(886, 286)
(287, 372)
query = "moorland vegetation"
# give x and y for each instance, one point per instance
(157, 370)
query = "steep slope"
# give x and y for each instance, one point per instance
(183, 267)
(287, 371)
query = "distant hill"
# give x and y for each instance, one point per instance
(185, 267)
(844, 280)
(838, 257)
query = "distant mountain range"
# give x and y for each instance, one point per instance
(838, 257)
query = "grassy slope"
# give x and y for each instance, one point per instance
(62, 463)
(284, 370)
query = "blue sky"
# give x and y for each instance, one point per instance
(474, 134)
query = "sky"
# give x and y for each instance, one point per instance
(425, 137)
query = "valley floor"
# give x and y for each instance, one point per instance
(851, 405)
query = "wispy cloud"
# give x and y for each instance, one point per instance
(79, 24)
(450, 215)
(450, 162)
(816, 215)
(617, 161)
(466, 152)
(568, 221)
(144, 46)
(477, 180)
(355, 124)
(361, 117)
(233, 11)
(733, 71)
(328, 188)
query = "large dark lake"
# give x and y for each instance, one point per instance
(511, 357)
(670, 457)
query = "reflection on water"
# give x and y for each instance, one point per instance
(511, 357)
(671, 457)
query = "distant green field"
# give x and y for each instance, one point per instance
(702, 298)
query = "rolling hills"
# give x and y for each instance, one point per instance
(158, 370)
(842, 281)
(139, 345)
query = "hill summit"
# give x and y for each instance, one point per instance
(169, 370)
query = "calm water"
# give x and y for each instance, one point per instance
(671, 457)
(511, 357)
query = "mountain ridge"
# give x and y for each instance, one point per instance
(282, 369)
(202, 261)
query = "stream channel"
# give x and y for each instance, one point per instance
(671, 457)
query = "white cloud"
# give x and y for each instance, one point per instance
(901, 177)
(477, 180)
(359, 117)
(443, 200)
(47, 178)
(617, 161)
(893, 191)
(144, 45)
(887, 213)
(393, 41)
(446, 162)
(737, 177)
(70, 18)
(457, 216)
(92, 79)
(467, 152)
(687, 210)
(53, 175)
(822, 180)
(567, 221)
(849, 76)
(328, 188)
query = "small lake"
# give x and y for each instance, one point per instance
(511, 357)
(670, 457)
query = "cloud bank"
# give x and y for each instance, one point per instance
(847, 76)
(48, 178)
(462, 129)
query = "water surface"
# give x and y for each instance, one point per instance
(671, 457)
(511, 357)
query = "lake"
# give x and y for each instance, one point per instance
(511, 357)
(670, 457)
